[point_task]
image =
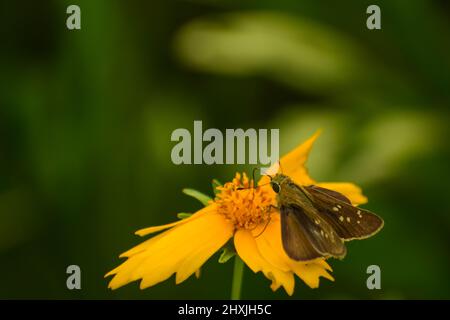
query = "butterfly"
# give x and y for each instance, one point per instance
(316, 222)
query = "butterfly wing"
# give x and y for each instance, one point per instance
(348, 221)
(305, 239)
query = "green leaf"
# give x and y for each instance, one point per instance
(203, 198)
(226, 255)
(183, 215)
(216, 183)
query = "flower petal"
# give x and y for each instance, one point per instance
(293, 163)
(350, 190)
(198, 258)
(248, 251)
(141, 247)
(146, 231)
(182, 250)
(270, 245)
(311, 272)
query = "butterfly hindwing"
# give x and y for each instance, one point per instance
(348, 221)
(306, 239)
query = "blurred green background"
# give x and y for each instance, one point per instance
(86, 118)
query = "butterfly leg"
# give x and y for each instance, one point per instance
(264, 229)
(270, 207)
(267, 209)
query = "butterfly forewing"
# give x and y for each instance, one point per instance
(348, 221)
(306, 239)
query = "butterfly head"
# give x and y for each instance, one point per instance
(277, 181)
(275, 186)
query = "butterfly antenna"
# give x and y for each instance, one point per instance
(279, 164)
(252, 186)
(253, 173)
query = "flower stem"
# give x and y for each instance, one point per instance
(238, 273)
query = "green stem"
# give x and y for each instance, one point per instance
(238, 273)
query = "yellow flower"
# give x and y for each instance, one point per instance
(242, 214)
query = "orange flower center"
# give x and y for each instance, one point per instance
(245, 208)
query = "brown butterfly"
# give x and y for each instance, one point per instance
(315, 222)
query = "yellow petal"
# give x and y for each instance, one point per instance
(270, 246)
(311, 272)
(146, 231)
(123, 272)
(324, 264)
(247, 249)
(293, 163)
(350, 190)
(142, 246)
(182, 250)
(184, 247)
(194, 261)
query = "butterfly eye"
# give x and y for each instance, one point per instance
(275, 186)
